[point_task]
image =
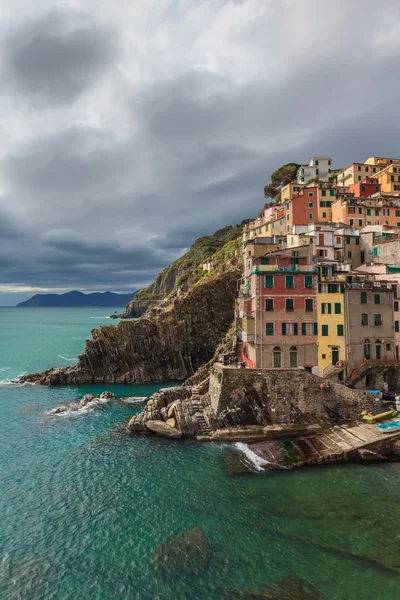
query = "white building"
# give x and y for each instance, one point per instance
(319, 168)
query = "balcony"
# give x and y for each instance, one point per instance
(284, 268)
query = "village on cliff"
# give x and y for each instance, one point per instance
(321, 274)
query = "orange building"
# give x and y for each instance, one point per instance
(389, 180)
(357, 212)
(365, 188)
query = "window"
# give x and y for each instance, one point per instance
(269, 305)
(309, 305)
(338, 308)
(324, 192)
(349, 254)
(364, 298)
(388, 346)
(377, 213)
(287, 206)
(360, 211)
(289, 281)
(293, 357)
(358, 168)
(397, 326)
(277, 357)
(290, 329)
(364, 319)
(369, 212)
(324, 215)
(340, 330)
(396, 306)
(375, 252)
(287, 217)
(348, 240)
(311, 194)
(269, 329)
(397, 213)
(310, 216)
(351, 222)
(308, 329)
(377, 320)
(360, 222)
(378, 349)
(325, 330)
(394, 290)
(332, 192)
(357, 241)
(310, 204)
(289, 305)
(386, 212)
(326, 308)
(265, 261)
(352, 210)
(367, 349)
(377, 298)
(269, 281)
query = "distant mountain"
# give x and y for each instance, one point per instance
(77, 299)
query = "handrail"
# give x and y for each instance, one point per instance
(373, 361)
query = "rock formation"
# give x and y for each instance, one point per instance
(187, 552)
(170, 343)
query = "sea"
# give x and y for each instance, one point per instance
(83, 504)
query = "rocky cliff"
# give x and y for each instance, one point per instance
(180, 270)
(170, 343)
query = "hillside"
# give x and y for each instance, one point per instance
(178, 272)
(77, 299)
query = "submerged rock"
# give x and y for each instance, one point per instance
(163, 429)
(187, 552)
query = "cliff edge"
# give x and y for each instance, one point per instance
(170, 343)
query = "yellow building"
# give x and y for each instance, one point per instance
(331, 323)
(356, 172)
(382, 162)
(389, 179)
(290, 190)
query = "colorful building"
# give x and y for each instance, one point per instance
(357, 212)
(280, 327)
(355, 173)
(365, 188)
(389, 179)
(319, 168)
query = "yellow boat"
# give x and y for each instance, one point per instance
(377, 414)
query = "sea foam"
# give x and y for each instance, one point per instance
(257, 462)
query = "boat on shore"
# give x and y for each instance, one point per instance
(389, 427)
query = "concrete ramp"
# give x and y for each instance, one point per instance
(339, 443)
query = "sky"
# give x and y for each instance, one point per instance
(129, 129)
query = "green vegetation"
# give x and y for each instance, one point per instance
(219, 247)
(282, 176)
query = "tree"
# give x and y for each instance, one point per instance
(282, 176)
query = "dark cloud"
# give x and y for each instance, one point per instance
(103, 195)
(57, 56)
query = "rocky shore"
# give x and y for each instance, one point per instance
(168, 343)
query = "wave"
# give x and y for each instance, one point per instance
(2, 369)
(74, 410)
(15, 381)
(67, 359)
(257, 462)
(133, 399)
(107, 317)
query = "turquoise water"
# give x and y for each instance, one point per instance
(82, 504)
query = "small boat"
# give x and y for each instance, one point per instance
(377, 414)
(389, 427)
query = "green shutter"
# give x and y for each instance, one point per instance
(303, 329)
(283, 328)
(289, 281)
(325, 330)
(269, 329)
(269, 281)
(295, 328)
(315, 328)
(364, 298)
(338, 308)
(375, 251)
(340, 330)
(264, 261)
(308, 281)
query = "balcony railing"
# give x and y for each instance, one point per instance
(283, 268)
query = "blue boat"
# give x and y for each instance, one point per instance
(389, 427)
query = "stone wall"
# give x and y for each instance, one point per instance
(283, 395)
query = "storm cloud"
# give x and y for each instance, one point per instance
(128, 131)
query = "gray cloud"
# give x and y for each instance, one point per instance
(124, 167)
(55, 57)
